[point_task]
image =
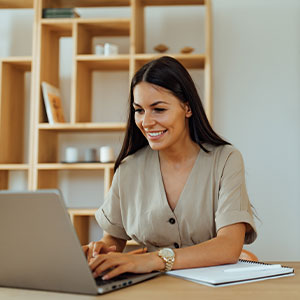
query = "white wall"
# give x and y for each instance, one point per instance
(256, 100)
(257, 107)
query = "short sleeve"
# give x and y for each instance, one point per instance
(233, 202)
(109, 215)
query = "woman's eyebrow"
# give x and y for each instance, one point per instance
(153, 104)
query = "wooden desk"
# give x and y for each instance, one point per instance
(167, 287)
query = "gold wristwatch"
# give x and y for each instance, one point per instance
(168, 256)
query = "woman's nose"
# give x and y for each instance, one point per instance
(148, 120)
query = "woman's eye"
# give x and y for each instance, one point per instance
(158, 109)
(138, 110)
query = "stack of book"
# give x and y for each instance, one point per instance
(59, 13)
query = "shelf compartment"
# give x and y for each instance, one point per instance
(75, 166)
(105, 27)
(48, 147)
(51, 32)
(89, 29)
(48, 172)
(105, 63)
(190, 61)
(7, 178)
(12, 108)
(83, 127)
(85, 3)
(170, 16)
(13, 4)
(86, 67)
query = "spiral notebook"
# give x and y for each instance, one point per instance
(241, 272)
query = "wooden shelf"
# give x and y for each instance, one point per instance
(86, 3)
(90, 212)
(22, 63)
(172, 2)
(83, 127)
(75, 166)
(14, 167)
(12, 4)
(101, 27)
(109, 63)
(190, 61)
(63, 27)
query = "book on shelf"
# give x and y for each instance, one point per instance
(53, 103)
(60, 13)
(242, 272)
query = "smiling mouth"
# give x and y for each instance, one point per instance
(156, 134)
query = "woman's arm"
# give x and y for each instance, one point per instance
(225, 248)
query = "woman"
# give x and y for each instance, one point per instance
(178, 189)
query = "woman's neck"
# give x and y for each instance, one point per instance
(179, 155)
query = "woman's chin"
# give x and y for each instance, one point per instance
(156, 146)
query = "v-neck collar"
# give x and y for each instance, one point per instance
(162, 187)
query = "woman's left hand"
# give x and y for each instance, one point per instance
(124, 262)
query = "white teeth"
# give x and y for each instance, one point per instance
(155, 133)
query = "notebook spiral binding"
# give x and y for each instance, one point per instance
(258, 263)
(253, 262)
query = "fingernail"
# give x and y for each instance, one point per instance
(105, 277)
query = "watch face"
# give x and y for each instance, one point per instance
(167, 252)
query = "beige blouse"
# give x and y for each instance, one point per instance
(214, 196)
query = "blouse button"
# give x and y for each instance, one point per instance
(176, 245)
(172, 221)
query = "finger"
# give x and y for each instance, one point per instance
(95, 262)
(138, 251)
(90, 251)
(116, 271)
(97, 248)
(109, 262)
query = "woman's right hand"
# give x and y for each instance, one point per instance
(94, 248)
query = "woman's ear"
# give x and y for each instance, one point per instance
(188, 111)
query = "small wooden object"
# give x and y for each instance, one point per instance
(187, 49)
(161, 48)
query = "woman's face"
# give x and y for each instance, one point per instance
(161, 117)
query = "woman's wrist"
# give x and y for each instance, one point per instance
(157, 263)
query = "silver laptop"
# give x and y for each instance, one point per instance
(39, 248)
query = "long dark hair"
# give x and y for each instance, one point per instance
(170, 74)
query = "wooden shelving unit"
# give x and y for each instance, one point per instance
(43, 164)
(12, 114)
(82, 127)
